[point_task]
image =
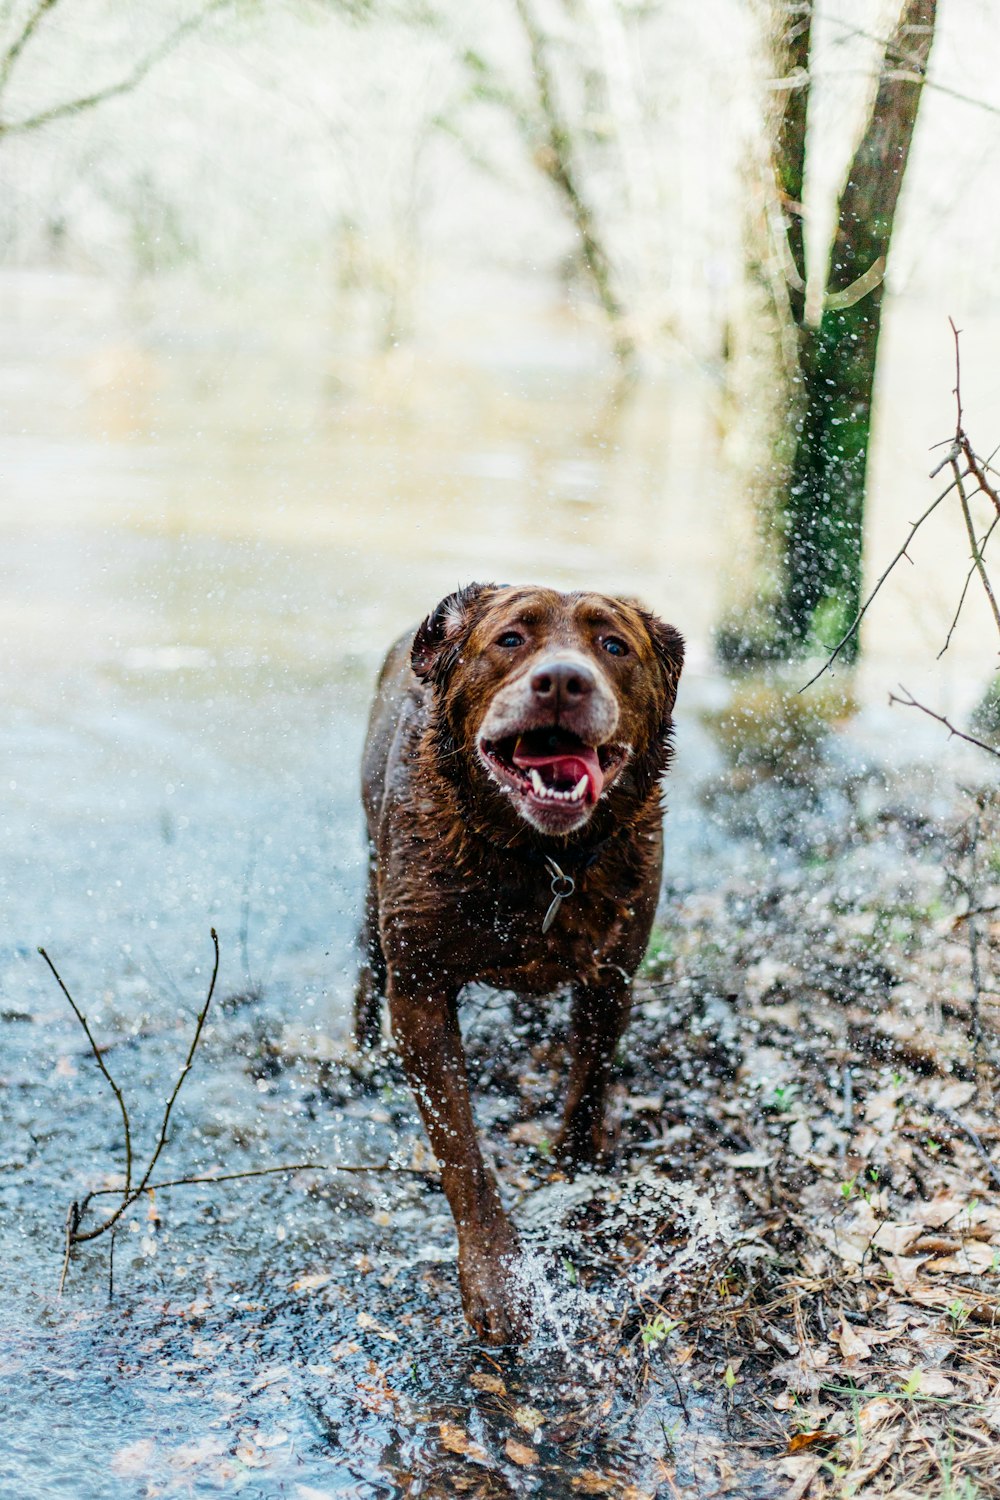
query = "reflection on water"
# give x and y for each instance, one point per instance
(206, 539)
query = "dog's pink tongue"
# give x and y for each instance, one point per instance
(567, 768)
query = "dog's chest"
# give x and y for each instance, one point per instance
(503, 941)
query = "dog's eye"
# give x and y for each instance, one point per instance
(510, 638)
(613, 646)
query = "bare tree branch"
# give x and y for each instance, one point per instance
(960, 447)
(128, 1194)
(113, 90)
(558, 163)
(910, 702)
(19, 43)
(871, 597)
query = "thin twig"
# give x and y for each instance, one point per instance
(103, 1067)
(977, 559)
(123, 86)
(72, 1220)
(19, 43)
(296, 1166)
(965, 587)
(910, 702)
(855, 623)
(957, 1123)
(202, 1016)
(129, 1197)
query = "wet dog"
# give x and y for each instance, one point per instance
(511, 784)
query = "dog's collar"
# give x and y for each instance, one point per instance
(564, 884)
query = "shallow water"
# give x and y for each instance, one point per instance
(202, 561)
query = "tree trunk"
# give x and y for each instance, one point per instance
(824, 511)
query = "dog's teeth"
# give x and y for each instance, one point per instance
(579, 789)
(537, 784)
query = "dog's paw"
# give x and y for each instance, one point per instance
(494, 1297)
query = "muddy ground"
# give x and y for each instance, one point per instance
(788, 1286)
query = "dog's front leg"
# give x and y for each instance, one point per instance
(426, 1031)
(598, 1017)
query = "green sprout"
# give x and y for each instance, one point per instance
(657, 1329)
(958, 1314)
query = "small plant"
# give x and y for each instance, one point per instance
(781, 1097)
(658, 1329)
(730, 1378)
(958, 1313)
(911, 1384)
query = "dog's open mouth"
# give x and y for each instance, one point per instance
(553, 767)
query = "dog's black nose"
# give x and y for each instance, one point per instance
(561, 682)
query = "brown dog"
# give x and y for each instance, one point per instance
(514, 756)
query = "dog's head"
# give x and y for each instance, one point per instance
(557, 700)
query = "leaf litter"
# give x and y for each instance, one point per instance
(788, 1286)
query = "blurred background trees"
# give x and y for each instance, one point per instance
(828, 318)
(666, 180)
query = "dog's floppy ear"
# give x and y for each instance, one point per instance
(668, 644)
(436, 643)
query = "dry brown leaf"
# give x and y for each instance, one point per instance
(904, 1272)
(311, 1282)
(457, 1440)
(972, 1259)
(365, 1320)
(520, 1453)
(802, 1440)
(271, 1376)
(874, 1413)
(852, 1345)
(480, 1381)
(801, 1470)
(589, 1482)
(873, 1458)
(934, 1384)
(528, 1418)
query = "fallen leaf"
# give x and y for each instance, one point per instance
(934, 1384)
(801, 1470)
(875, 1458)
(528, 1418)
(852, 1345)
(311, 1282)
(365, 1320)
(270, 1376)
(457, 1440)
(480, 1381)
(874, 1413)
(134, 1458)
(973, 1258)
(592, 1483)
(520, 1453)
(749, 1161)
(801, 1440)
